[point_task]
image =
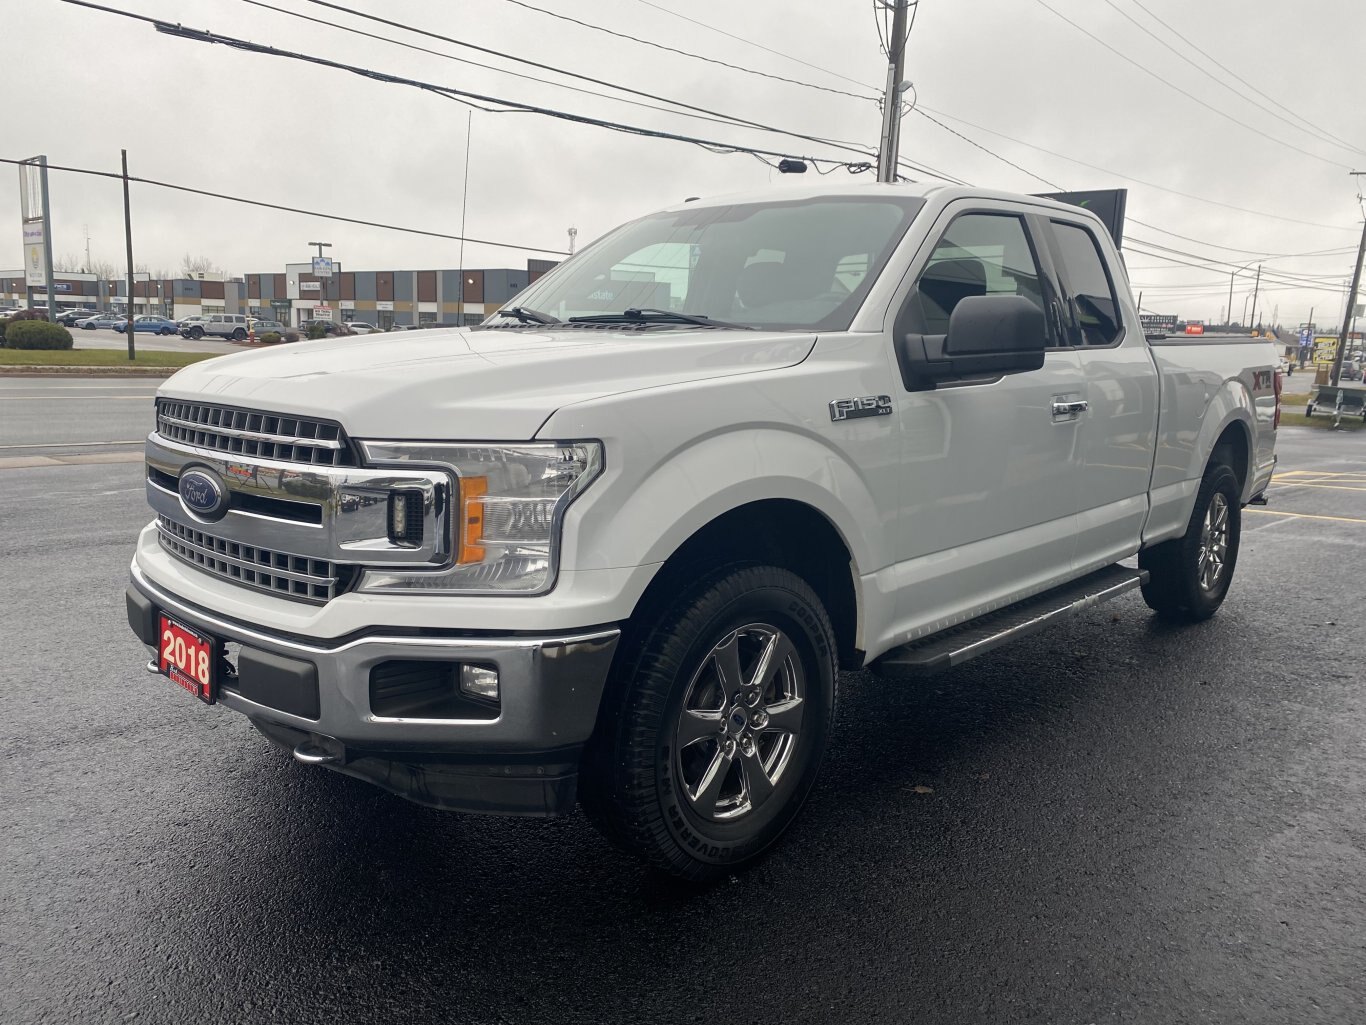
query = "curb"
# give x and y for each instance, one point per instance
(39, 371)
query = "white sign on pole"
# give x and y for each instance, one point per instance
(322, 266)
(322, 312)
(35, 271)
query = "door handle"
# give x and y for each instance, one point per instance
(1070, 408)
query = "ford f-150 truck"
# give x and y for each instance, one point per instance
(612, 546)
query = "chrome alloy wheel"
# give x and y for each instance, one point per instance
(738, 728)
(1213, 543)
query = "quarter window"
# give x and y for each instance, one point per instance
(980, 254)
(1095, 309)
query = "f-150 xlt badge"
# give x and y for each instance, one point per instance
(864, 405)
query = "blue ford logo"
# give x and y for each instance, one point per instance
(203, 495)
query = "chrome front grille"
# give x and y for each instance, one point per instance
(278, 573)
(252, 434)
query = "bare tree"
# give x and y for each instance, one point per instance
(192, 265)
(68, 263)
(103, 269)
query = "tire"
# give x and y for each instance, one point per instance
(196, 333)
(239, 335)
(1309, 409)
(1189, 576)
(673, 772)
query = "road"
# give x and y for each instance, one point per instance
(1113, 822)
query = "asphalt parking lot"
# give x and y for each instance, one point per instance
(1116, 821)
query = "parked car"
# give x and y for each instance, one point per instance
(104, 321)
(70, 317)
(262, 327)
(890, 427)
(220, 325)
(360, 327)
(330, 327)
(149, 324)
(1351, 371)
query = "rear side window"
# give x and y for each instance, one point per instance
(1095, 308)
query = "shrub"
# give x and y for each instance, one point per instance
(37, 334)
(291, 336)
(270, 338)
(17, 317)
(316, 331)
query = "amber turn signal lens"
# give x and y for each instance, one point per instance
(472, 490)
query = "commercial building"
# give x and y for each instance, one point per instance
(384, 298)
(170, 297)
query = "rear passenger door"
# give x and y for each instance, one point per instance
(990, 469)
(1118, 429)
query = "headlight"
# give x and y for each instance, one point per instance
(507, 510)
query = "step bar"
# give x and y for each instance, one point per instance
(958, 644)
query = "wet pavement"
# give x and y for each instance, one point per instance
(1116, 821)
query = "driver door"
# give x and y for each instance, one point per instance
(990, 470)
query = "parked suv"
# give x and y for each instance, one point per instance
(224, 325)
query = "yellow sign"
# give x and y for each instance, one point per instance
(1325, 349)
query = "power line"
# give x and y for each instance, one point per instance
(685, 53)
(984, 149)
(1190, 96)
(1220, 82)
(464, 96)
(556, 70)
(1129, 177)
(759, 46)
(1224, 67)
(291, 209)
(720, 119)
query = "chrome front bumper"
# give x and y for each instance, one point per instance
(550, 691)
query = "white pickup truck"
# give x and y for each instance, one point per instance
(612, 546)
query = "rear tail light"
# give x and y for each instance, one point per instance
(1277, 422)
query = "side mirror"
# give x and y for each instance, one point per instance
(988, 335)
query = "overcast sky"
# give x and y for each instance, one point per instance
(300, 135)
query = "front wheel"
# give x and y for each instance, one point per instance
(714, 723)
(196, 333)
(1190, 575)
(239, 335)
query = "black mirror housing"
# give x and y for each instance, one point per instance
(988, 335)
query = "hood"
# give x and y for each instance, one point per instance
(492, 385)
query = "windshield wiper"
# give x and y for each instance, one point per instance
(653, 316)
(526, 316)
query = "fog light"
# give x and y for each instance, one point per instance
(479, 681)
(405, 518)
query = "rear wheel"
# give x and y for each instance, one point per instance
(196, 333)
(1190, 575)
(239, 335)
(715, 723)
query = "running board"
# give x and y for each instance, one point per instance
(958, 644)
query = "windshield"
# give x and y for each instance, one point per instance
(800, 265)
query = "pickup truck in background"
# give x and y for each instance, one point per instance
(613, 546)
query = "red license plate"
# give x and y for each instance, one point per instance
(188, 658)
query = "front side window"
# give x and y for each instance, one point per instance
(979, 254)
(1095, 309)
(797, 265)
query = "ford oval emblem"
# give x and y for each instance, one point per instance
(203, 495)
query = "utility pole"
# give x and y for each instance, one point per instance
(464, 204)
(1351, 302)
(573, 237)
(891, 97)
(128, 234)
(1252, 321)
